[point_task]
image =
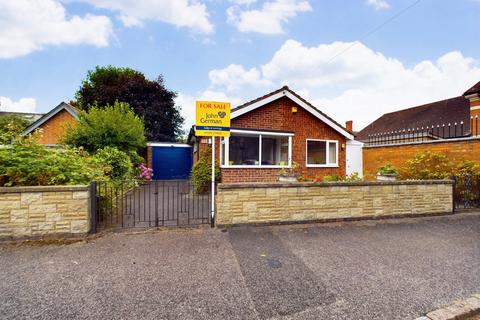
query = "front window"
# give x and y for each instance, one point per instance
(322, 153)
(256, 149)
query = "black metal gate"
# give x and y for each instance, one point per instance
(466, 192)
(145, 204)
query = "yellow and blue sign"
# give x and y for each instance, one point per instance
(212, 119)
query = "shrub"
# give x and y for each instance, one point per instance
(387, 169)
(467, 167)
(336, 177)
(117, 164)
(27, 163)
(11, 126)
(202, 172)
(112, 126)
(427, 165)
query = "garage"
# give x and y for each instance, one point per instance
(170, 160)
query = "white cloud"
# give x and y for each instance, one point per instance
(22, 105)
(236, 76)
(269, 19)
(27, 26)
(192, 14)
(358, 85)
(378, 4)
(243, 2)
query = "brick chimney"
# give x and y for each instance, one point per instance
(349, 125)
(473, 95)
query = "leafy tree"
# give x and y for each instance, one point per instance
(111, 126)
(11, 126)
(149, 99)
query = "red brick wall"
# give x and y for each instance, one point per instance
(54, 129)
(457, 151)
(278, 115)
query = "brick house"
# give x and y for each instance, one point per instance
(449, 126)
(53, 124)
(274, 131)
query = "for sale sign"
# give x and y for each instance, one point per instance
(212, 119)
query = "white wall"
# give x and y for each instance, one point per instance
(354, 157)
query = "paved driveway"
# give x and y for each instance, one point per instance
(393, 270)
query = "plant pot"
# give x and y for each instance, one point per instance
(287, 179)
(386, 177)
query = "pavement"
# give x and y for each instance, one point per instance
(396, 269)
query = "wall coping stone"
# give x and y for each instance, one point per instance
(411, 143)
(44, 189)
(242, 185)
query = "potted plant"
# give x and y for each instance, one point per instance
(290, 174)
(387, 173)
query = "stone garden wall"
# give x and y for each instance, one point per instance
(31, 212)
(276, 202)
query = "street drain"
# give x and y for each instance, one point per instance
(275, 264)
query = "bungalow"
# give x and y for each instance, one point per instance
(53, 124)
(274, 132)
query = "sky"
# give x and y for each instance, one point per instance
(352, 59)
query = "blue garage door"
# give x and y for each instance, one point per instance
(171, 162)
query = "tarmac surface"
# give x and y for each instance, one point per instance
(396, 269)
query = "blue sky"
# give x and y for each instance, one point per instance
(239, 49)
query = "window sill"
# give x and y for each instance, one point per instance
(322, 166)
(253, 167)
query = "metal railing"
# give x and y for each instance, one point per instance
(145, 204)
(425, 133)
(466, 191)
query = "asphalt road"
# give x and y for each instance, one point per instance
(382, 270)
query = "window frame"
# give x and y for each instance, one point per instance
(225, 144)
(327, 154)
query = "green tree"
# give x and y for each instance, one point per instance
(111, 126)
(117, 163)
(11, 126)
(149, 99)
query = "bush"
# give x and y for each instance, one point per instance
(467, 167)
(27, 163)
(387, 169)
(113, 126)
(117, 164)
(427, 165)
(202, 172)
(11, 126)
(348, 178)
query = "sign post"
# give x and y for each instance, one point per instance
(212, 119)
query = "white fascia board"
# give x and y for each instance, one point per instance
(167, 144)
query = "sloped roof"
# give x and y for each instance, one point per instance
(62, 106)
(285, 91)
(432, 114)
(473, 90)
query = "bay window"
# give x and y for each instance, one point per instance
(322, 153)
(249, 148)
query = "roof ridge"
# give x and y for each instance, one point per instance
(423, 105)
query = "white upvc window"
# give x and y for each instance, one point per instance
(321, 153)
(256, 149)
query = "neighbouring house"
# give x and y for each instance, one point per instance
(30, 116)
(449, 126)
(53, 124)
(274, 132)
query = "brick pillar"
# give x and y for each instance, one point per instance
(474, 113)
(149, 156)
